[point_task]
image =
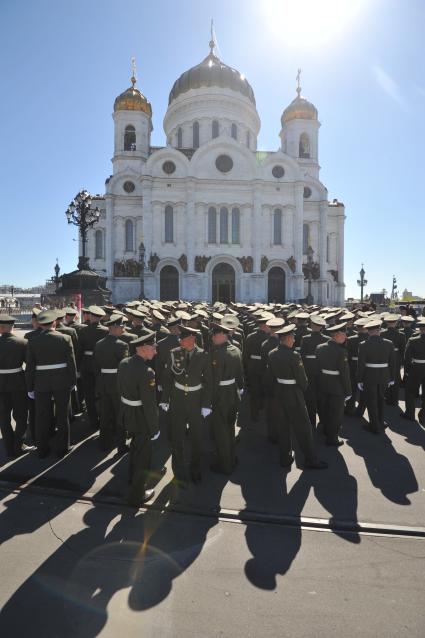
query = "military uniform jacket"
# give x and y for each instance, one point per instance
(332, 358)
(399, 342)
(226, 365)
(68, 330)
(376, 351)
(309, 344)
(353, 344)
(108, 353)
(136, 382)
(88, 338)
(252, 352)
(163, 349)
(32, 334)
(271, 343)
(50, 348)
(12, 356)
(195, 372)
(286, 365)
(415, 352)
(300, 332)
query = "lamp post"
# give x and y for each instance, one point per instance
(142, 269)
(308, 270)
(80, 213)
(362, 282)
(57, 271)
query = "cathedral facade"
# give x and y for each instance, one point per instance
(218, 219)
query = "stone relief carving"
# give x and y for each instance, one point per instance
(264, 263)
(291, 263)
(315, 270)
(334, 274)
(153, 262)
(183, 262)
(126, 268)
(247, 264)
(201, 263)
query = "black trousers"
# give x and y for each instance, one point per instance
(89, 388)
(313, 400)
(294, 422)
(60, 440)
(140, 462)
(333, 414)
(256, 394)
(413, 383)
(13, 403)
(111, 432)
(183, 415)
(374, 399)
(223, 420)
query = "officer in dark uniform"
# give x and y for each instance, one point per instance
(334, 382)
(414, 372)
(227, 388)
(88, 338)
(187, 393)
(51, 374)
(309, 343)
(287, 370)
(36, 330)
(108, 353)
(253, 366)
(375, 372)
(398, 340)
(139, 414)
(302, 319)
(352, 344)
(270, 343)
(13, 393)
(163, 349)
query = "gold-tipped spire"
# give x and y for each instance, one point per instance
(134, 72)
(298, 78)
(212, 41)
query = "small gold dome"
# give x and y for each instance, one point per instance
(133, 100)
(299, 109)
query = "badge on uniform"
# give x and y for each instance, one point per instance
(152, 383)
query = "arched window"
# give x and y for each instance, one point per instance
(234, 132)
(195, 134)
(215, 129)
(306, 238)
(304, 146)
(180, 138)
(224, 225)
(236, 217)
(129, 236)
(130, 138)
(169, 224)
(212, 225)
(248, 139)
(98, 244)
(277, 227)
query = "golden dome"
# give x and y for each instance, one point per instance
(299, 109)
(133, 100)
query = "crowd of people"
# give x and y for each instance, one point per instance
(302, 366)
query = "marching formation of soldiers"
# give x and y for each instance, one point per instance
(188, 365)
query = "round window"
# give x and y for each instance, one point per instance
(224, 163)
(129, 187)
(278, 171)
(307, 192)
(169, 167)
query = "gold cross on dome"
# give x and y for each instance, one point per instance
(134, 71)
(298, 78)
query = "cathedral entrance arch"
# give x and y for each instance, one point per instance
(223, 283)
(276, 285)
(169, 284)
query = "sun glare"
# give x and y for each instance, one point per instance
(310, 22)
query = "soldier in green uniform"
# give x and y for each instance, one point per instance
(139, 414)
(227, 388)
(108, 354)
(375, 372)
(414, 373)
(36, 330)
(13, 393)
(399, 342)
(50, 374)
(353, 343)
(253, 366)
(88, 338)
(287, 370)
(270, 343)
(187, 387)
(334, 382)
(163, 349)
(302, 319)
(309, 343)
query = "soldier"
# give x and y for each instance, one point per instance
(253, 366)
(13, 393)
(309, 344)
(36, 330)
(108, 353)
(352, 344)
(270, 343)
(158, 320)
(187, 393)
(139, 414)
(302, 319)
(88, 338)
(334, 382)
(399, 342)
(414, 373)
(227, 387)
(375, 372)
(287, 370)
(50, 374)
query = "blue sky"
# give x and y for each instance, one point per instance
(63, 63)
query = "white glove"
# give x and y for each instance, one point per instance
(159, 387)
(205, 412)
(360, 387)
(156, 436)
(347, 398)
(164, 406)
(390, 383)
(74, 387)
(240, 392)
(31, 395)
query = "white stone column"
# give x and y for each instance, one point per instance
(323, 239)
(147, 220)
(190, 226)
(109, 239)
(340, 256)
(298, 279)
(256, 227)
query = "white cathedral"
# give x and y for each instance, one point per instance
(219, 220)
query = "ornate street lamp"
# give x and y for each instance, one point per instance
(57, 271)
(142, 269)
(308, 271)
(80, 213)
(362, 282)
